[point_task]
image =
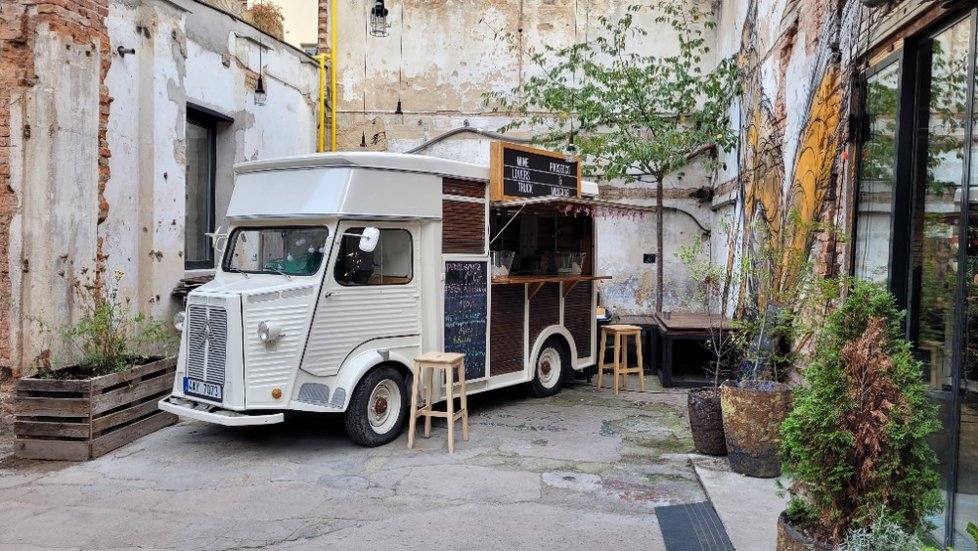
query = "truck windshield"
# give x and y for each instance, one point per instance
(296, 251)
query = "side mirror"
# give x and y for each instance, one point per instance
(369, 239)
(218, 240)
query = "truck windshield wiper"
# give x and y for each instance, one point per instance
(280, 272)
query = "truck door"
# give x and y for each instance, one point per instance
(369, 300)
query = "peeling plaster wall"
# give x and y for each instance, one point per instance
(188, 53)
(185, 53)
(53, 234)
(442, 55)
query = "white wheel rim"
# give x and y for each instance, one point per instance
(384, 406)
(548, 367)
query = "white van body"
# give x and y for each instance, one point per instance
(265, 337)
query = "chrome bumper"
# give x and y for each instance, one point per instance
(216, 415)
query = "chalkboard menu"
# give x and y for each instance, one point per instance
(522, 172)
(466, 309)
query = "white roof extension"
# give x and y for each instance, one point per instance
(389, 186)
(377, 160)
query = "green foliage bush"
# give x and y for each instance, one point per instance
(854, 444)
(108, 336)
(882, 535)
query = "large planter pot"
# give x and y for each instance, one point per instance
(82, 419)
(790, 539)
(706, 421)
(752, 415)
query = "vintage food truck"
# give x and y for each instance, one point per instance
(339, 269)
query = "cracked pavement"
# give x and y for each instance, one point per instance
(583, 469)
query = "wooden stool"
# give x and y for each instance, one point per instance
(426, 365)
(620, 365)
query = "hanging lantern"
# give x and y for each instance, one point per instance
(260, 94)
(378, 19)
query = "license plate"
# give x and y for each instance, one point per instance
(202, 389)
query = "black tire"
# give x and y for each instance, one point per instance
(380, 394)
(547, 377)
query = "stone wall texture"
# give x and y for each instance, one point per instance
(80, 24)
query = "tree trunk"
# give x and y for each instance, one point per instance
(659, 228)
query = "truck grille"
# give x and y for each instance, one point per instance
(207, 330)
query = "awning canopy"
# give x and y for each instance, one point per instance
(585, 206)
(569, 204)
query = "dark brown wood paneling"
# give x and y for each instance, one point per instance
(464, 227)
(506, 329)
(578, 317)
(463, 188)
(544, 309)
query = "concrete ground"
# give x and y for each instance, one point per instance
(581, 470)
(748, 507)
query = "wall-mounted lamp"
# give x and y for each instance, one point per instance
(363, 139)
(378, 19)
(398, 111)
(260, 94)
(123, 51)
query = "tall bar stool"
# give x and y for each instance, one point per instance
(619, 364)
(425, 367)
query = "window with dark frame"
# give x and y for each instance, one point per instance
(199, 192)
(916, 229)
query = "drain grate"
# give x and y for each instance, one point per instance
(692, 527)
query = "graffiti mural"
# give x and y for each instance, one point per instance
(793, 131)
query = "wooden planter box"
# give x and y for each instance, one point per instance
(79, 420)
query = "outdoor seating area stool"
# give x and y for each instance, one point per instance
(425, 367)
(619, 364)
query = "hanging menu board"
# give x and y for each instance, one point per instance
(466, 313)
(519, 172)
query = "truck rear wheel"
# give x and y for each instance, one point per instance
(377, 408)
(548, 368)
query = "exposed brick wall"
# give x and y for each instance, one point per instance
(84, 23)
(323, 34)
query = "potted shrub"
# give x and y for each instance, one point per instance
(754, 405)
(854, 444)
(778, 283)
(710, 284)
(109, 398)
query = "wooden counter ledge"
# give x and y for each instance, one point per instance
(567, 282)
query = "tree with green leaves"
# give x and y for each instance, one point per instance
(632, 116)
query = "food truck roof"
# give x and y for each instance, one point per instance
(350, 185)
(400, 162)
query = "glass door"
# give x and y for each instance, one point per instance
(939, 299)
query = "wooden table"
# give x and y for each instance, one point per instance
(683, 326)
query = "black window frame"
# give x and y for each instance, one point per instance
(208, 121)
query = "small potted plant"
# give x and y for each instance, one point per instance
(854, 446)
(109, 397)
(710, 284)
(778, 284)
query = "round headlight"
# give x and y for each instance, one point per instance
(268, 332)
(179, 319)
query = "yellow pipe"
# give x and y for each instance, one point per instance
(321, 134)
(332, 75)
(321, 58)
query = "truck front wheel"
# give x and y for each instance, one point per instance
(377, 408)
(548, 369)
